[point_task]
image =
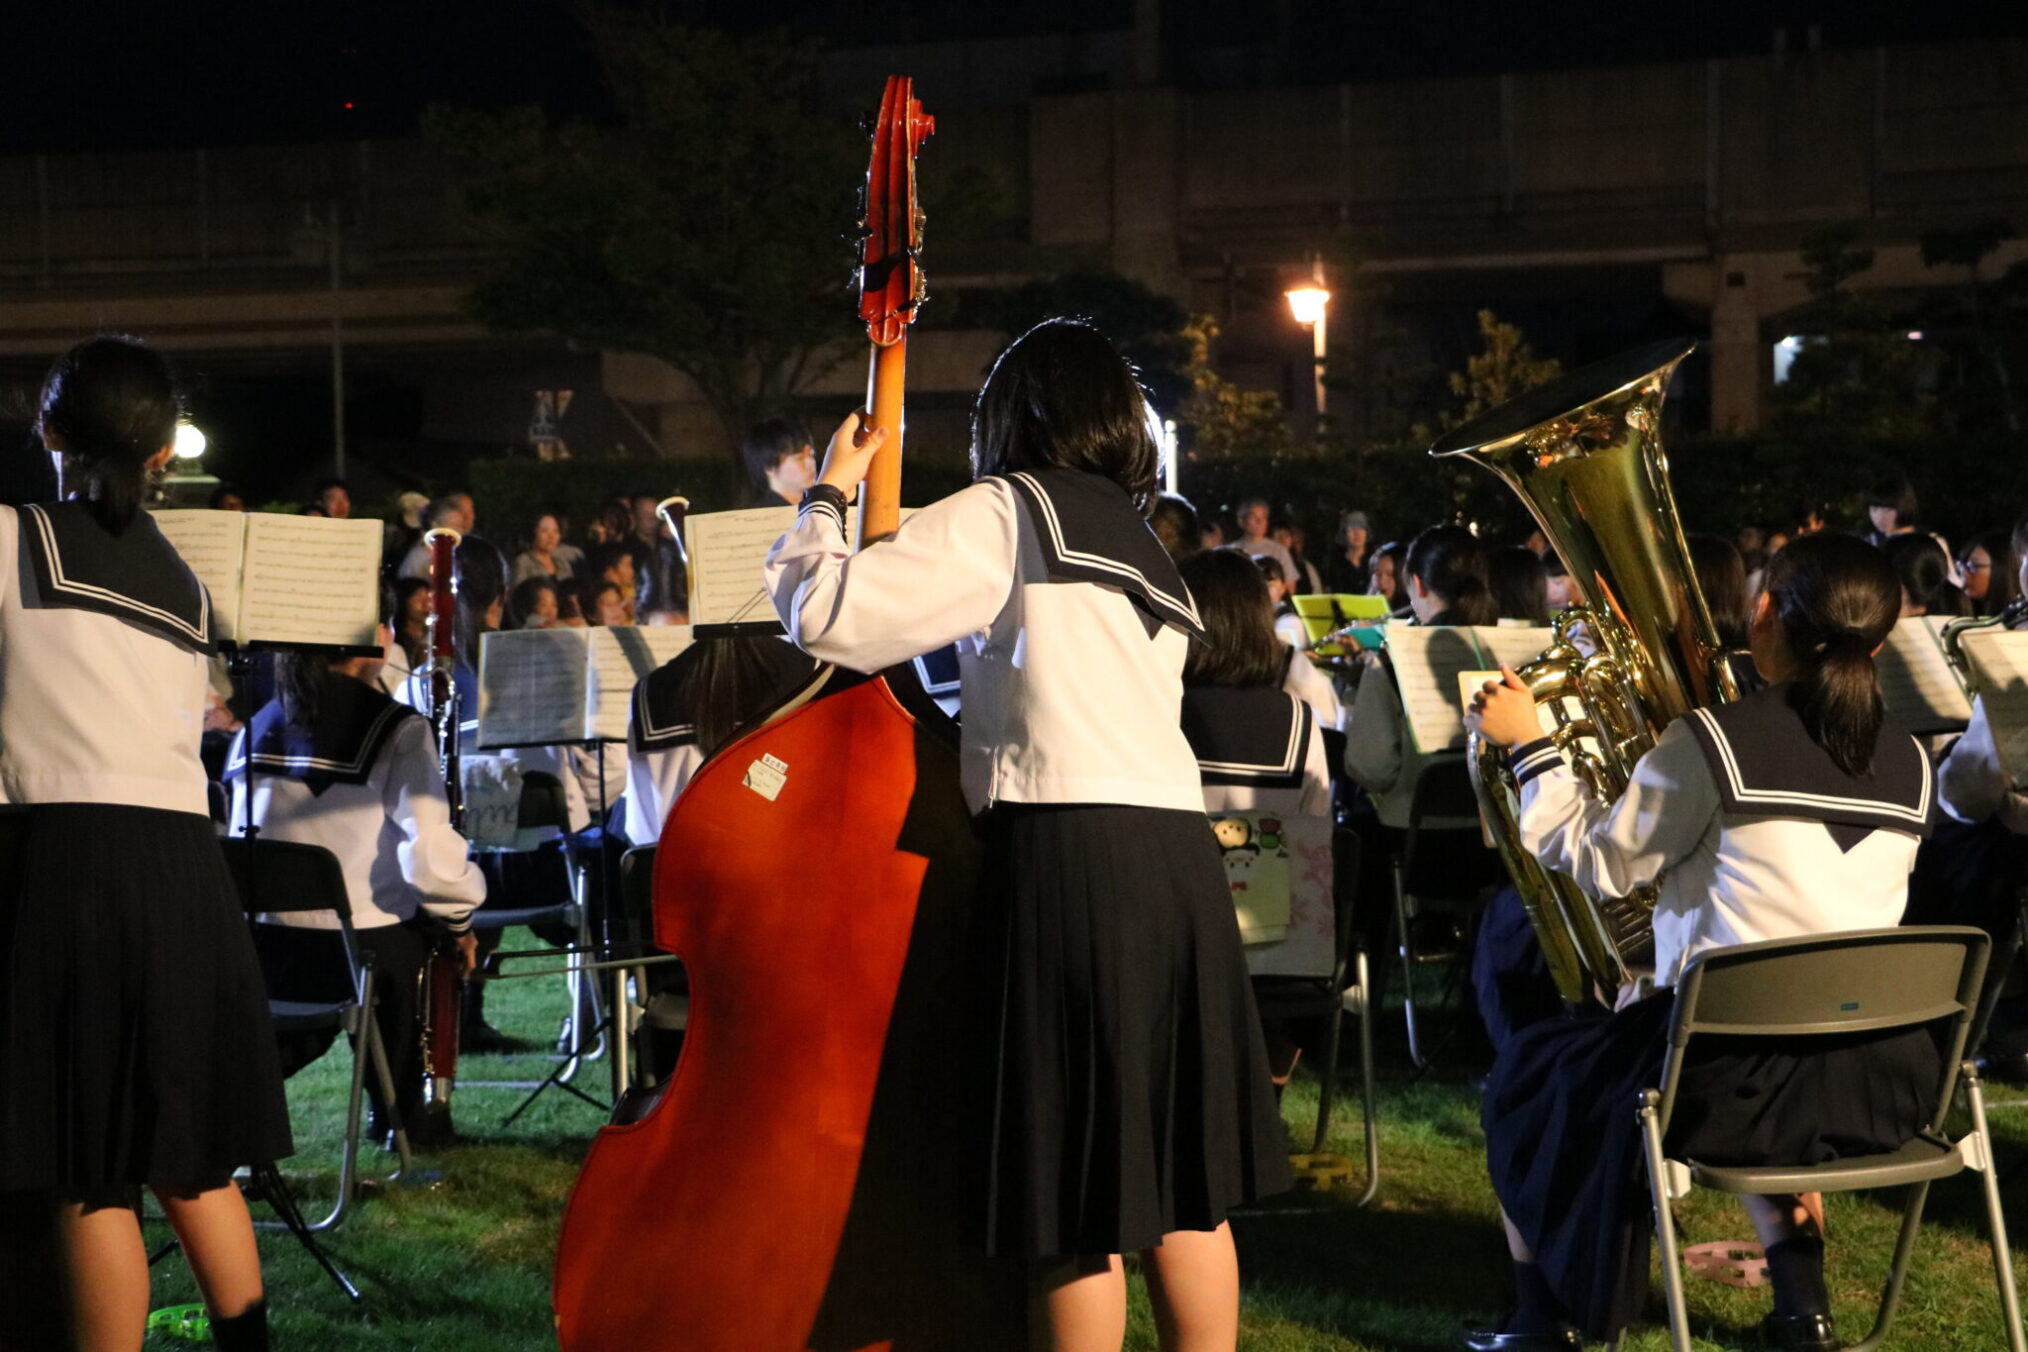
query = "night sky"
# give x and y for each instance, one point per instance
(88, 75)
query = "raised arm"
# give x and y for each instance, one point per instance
(1613, 848)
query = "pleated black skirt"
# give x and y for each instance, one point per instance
(135, 1046)
(1132, 1096)
(1563, 1144)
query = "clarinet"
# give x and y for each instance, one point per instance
(442, 977)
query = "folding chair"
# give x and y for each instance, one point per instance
(1346, 991)
(1442, 867)
(280, 877)
(545, 804)
(1868, 980)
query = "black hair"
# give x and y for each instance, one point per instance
(1240, 647)
(443, 508)
(607, 554)
(110, 403)
(1519, 583)
(1451, 565)
(665, 587)
(521, 601)
(299, 686)
(326, 485)
(1837, 599)
(481, 571)
(768, 443)
(221, 493)
(2004, 583)
(1174, 522)
(1924, 571)
(1396, 553)
(1897, 492)
(1721, 576)
(1061, 396)
(588, 599)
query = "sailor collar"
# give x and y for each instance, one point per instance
(70, 562)
(355, 720)
(1765, 765)
(1255, 737)
(1090, 532)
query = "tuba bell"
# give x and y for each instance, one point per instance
(1638, 651)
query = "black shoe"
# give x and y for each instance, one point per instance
(1799, 1333)
(478, 1036)
(2003, 1067)
(1476, 1339)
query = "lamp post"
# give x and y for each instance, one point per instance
(1311, 305)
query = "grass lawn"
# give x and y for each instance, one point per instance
(463, 1263)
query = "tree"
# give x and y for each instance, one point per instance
(1227, 421)
(1856, 374)
(1504, 367)
(1967, 249)
(711, 230)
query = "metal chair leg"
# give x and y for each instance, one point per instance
(1665, 1223)
(1405, 947)
(1369, 1107)
(1989, 1179)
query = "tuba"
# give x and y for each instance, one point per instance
(1585, 454)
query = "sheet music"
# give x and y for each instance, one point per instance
(308, 579)
(1999, 662)
(1427, 660)
(534, 686)
(619, 658)
(1514, 645)
(727, 551)
(214, 545)
(1920, 688)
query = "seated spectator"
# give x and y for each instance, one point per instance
(1309, 582)
(608, 606)
(1255, 542)
(452, 511)
(1174, 522)
(614, 562)
(226, 498)
(1349, 569)
(334, 498)
(533, 604)
(547, 555)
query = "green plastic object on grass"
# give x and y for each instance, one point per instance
(184, 1323)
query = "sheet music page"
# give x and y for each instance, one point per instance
(619, 659)
(1999, 662)
(532, 686)
(1515, 645)
(727, 552)
(1918, 684)
(1427, 660)
(214, 545)
(308, 579)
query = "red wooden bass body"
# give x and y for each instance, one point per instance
(813, 1175)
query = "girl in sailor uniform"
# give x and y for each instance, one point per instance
(337, 763)
(1134, 1108)
(1259, 747)
(135, 1047)
(1794, 811)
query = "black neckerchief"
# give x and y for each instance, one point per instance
(1090, 532)
(1765, 765)
(69, 561)
(354, 721)
(1257, 736)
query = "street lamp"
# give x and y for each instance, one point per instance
(189, 441)
(1310, 305)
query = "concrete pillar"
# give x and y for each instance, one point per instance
(1739, 356)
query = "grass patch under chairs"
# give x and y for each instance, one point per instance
(463, 1265)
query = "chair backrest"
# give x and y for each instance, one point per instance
(637, 894)
(543, 802)
(1445, 853)
(287, 877)
(1855, 982)
(1443, 791)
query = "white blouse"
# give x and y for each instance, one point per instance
(392, 834)
(655, 779)
(94, 709)
(1724, 879)
(1067, 699)
(1972, 784)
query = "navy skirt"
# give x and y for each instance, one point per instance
(1132, 1095)
(135, 1046)
(1563, 1144)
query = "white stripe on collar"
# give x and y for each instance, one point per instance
(1185, 605)
(1772, 798)
(201, 635)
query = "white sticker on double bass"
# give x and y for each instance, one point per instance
(766, 776)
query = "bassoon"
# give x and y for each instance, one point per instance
(443, 971)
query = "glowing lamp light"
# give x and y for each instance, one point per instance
(1915, 335)
(190, 442)
(1307, 303)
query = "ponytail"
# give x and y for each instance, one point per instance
(1451, 565)
(1837, 599)
(108, 405)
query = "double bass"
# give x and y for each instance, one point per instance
(813, 1175)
